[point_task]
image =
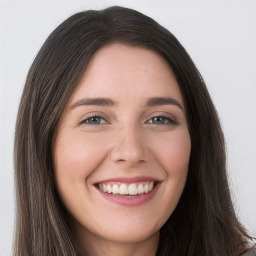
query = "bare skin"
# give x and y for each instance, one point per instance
(124, 126)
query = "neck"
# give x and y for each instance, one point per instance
(90, 246)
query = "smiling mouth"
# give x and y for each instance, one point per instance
(127, 189)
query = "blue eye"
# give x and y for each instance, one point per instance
(161, 120)
(94, 120)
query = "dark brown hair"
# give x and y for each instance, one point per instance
(204, 221)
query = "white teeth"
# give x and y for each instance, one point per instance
(109, 188)
(123, 189)
(115, 189)
(132, 189)
(146, 188)
(150, 186)
(140, 189)
(127, 189)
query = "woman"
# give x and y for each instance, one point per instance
(118, 147)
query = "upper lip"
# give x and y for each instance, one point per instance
(129, 179)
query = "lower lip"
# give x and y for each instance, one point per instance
(131, 201)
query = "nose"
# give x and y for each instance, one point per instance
(130, 147)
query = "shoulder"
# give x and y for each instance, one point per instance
(251, 252)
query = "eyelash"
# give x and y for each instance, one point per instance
(85, 121)
(167, 120)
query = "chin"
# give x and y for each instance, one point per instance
(130, 236)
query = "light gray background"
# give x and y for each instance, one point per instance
(220, 36)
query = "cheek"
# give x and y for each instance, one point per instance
(174, 152)
(173, 155)
(174, 159)
(74, 154)
(75, 159)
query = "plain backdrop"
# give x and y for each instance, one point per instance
(220, 36)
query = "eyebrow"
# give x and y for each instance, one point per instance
(95, 101)
(154, 101)
(158, 101)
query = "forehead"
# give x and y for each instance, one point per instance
(121, 71)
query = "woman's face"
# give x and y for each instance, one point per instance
(122, 146)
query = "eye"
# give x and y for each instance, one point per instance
(161, 120)
(94, 120)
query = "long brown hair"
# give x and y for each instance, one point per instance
(204, 221)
